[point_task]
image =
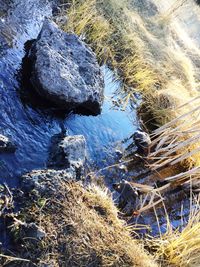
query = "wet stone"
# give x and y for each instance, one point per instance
(128, 198)
(46, 182)
(68, 152)
(6, 145)
(65, 71)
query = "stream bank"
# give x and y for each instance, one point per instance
(32, 126)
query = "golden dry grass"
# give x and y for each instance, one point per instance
(149, 47)
(82, 229)
(180, 247)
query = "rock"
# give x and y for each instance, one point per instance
(119, 153)
(46, 182)
(30, 231)
(74, 147)
(69, 152)
(6, 145)
(142, 141)
(129, 197)
(65, 71)
(61, 20)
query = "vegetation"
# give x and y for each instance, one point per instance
(81, 229)
(149, 48)
(180, 247)
(152, 55)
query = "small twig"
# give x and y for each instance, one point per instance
(13, 258)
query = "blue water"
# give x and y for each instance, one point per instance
(31, 127)
(105, 132)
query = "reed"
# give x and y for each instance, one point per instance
(146, 56)
(180, 247)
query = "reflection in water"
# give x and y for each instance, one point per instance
(32, 128)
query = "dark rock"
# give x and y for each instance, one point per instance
(65, 71)
(31, 232)
(61, 20)
(142, 141)
(128, 199)
(68, 152)
(46, 182)
(6, 145)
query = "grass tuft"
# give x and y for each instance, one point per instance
(147, 45)
(81, 229)
(180, 247)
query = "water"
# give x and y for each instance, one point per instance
(30, 127)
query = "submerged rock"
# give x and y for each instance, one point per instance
(6, 145)
(129, 196)
(65, 71)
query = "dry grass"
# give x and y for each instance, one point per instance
(82, 229)
(149, 47)
(177, 143)
(152, 51)
(180, 247)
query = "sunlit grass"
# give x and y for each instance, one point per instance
(180, 247)
(150, 54)
(82, 229)
(154, 56)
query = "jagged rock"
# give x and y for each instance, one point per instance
(46, 181)
(68, 152)
(65, 71)
(6, 145)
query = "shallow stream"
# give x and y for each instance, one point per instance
(32, 128)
